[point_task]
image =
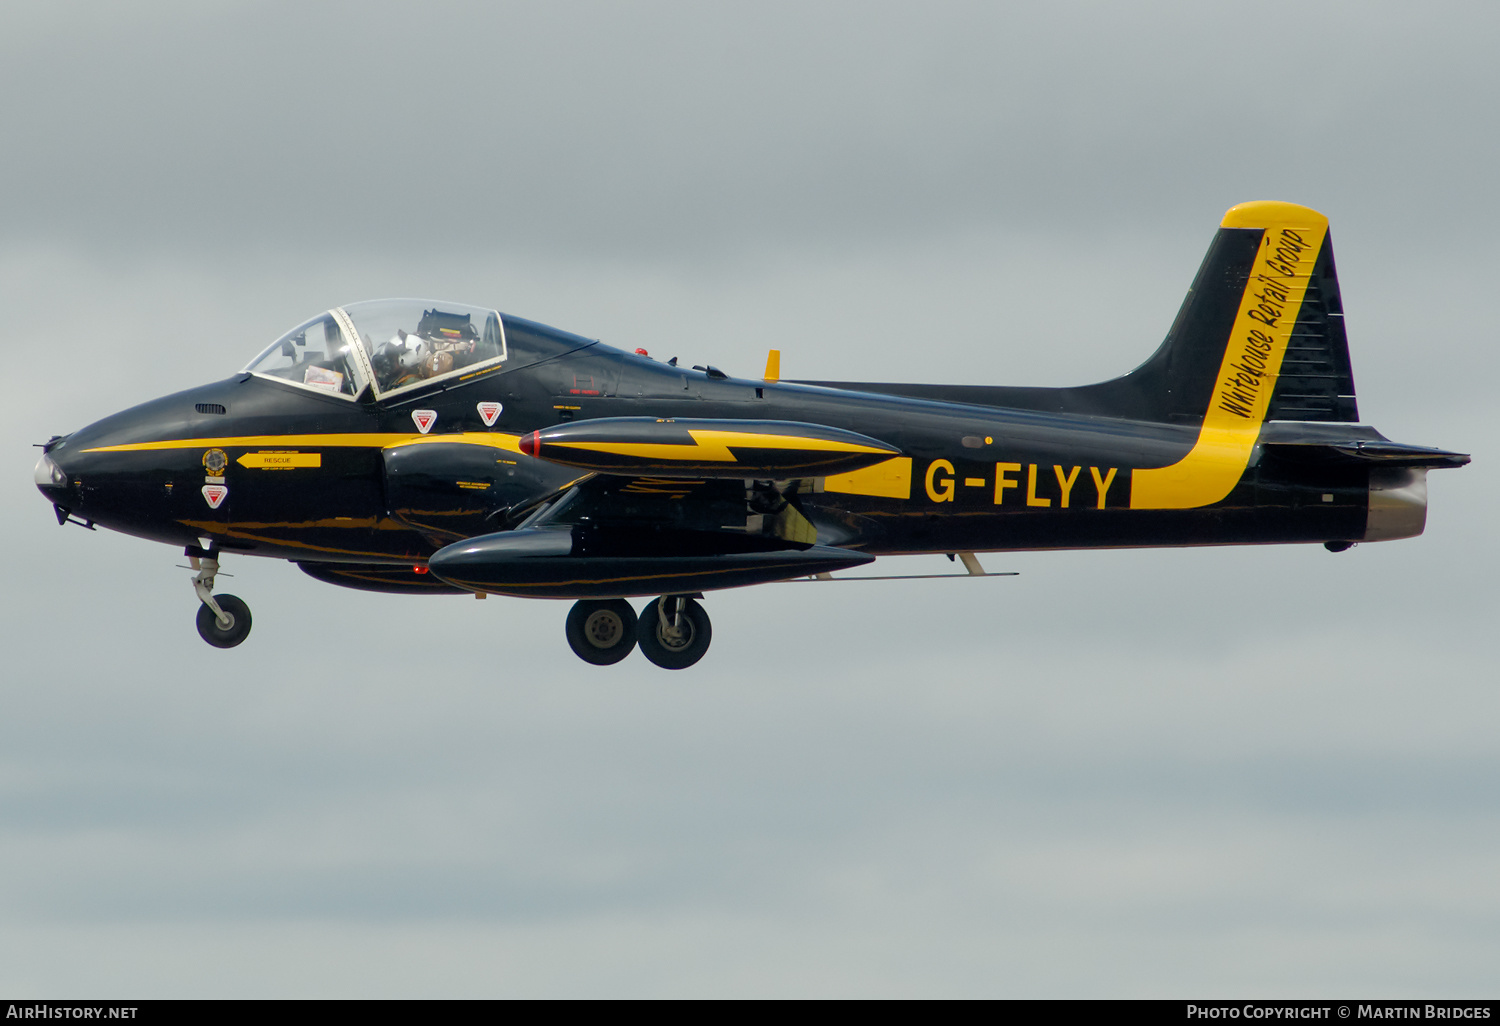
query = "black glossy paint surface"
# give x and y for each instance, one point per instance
(990, 468)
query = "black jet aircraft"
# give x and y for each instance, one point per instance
(439, 448)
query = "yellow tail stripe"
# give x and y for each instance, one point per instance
(1252, 360)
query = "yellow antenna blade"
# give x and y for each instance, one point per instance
(773, 365)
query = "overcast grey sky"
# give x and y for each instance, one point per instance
(1238, 771)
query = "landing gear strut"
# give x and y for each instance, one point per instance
(223, 622)
(601, 632)
(673, 632)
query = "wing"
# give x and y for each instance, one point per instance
(673, 507)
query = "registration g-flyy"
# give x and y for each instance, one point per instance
(423, 447)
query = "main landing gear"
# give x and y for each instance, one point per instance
(601, 632)
(672, 631)
(223, 622)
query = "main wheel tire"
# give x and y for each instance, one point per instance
(219, 635)
(674, 653)
(601, 631)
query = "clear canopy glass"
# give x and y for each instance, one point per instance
(316, 354)
(392, 344)
(411, 342)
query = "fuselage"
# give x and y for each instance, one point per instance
(442, 448)
(309, 476)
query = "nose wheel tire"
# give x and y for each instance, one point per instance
(220, 634)
(601, 632)
(673, 632)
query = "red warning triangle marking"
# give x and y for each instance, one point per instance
(215, 494)
(424, 419)
(488, 412)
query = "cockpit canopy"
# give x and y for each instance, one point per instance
(389, 345)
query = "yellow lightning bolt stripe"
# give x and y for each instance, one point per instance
(888, 480)
(367, 440)
(712, 446)
(1231, 426)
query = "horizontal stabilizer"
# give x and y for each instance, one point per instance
(1368, 453)
(770, 449)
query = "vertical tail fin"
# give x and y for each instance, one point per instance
(1268, 275)
(1249, 264)
(1317, 380)
(1263, 295)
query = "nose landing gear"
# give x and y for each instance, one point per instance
(672, 631)
(229, 626)
(223, 622)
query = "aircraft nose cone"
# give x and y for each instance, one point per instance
(51, 479)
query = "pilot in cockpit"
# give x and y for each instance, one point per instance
(397, 361)
(441, 343)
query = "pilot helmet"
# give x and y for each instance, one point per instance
(385, 362)
(401, 355)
